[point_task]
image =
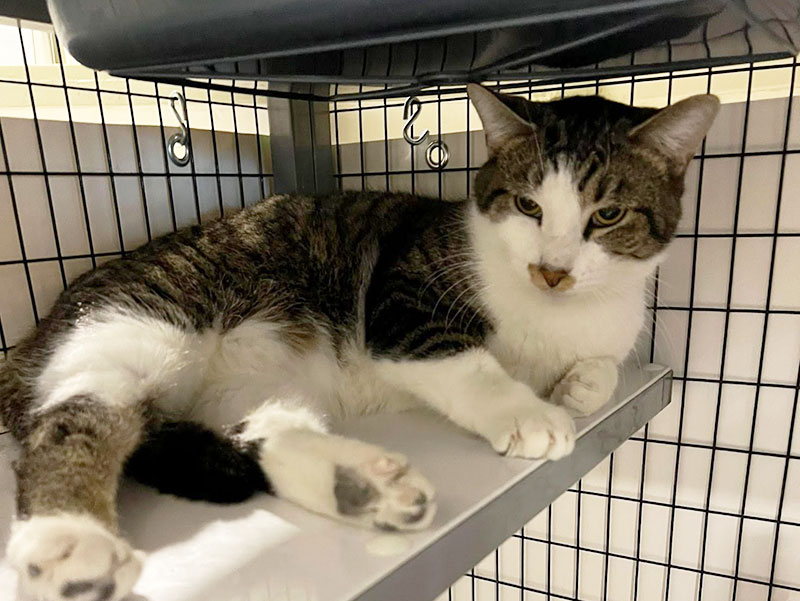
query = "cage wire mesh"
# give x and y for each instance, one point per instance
(85, 173)
(702, 504)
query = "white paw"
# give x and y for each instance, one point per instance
(534, 430)
(384, 492)
(71, 557)
(587, 386)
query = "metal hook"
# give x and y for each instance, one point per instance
(439, 162)
(182, 137)
(411, 110)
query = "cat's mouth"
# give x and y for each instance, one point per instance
(549, 279)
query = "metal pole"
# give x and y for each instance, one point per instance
(300, 140)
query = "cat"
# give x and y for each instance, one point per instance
(213, 362)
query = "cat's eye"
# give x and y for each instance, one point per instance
(528, 207)
(608, 216)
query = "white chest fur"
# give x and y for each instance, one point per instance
(539, 345)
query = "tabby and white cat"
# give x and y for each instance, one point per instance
(213, 362)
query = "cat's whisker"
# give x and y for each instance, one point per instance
(664, 340)
(481, 291)
(441, 297)
(450, 256)
(453, 304)
(441, 273)
(468, 304)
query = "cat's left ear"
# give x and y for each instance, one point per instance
(500, 123)
(677, 131)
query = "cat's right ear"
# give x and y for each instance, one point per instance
(500, 123)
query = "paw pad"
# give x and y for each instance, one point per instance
(66, 557)
(385, 493)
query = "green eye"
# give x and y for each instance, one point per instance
(528, 207)
(608, 216)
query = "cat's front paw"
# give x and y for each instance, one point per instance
(587, 386)
(70, 557)
(533, 432)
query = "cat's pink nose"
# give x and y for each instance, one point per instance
(553, 278)
(546, 278)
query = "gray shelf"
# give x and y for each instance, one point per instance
(268, 549)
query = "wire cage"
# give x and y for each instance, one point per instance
(702, 504)
(86, 174)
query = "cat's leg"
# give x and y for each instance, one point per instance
(332, 475)
(473, 390)
(587, 386)
(64, 543)
(86, 418)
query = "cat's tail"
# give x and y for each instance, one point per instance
(188, 460)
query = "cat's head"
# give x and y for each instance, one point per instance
(582, 194)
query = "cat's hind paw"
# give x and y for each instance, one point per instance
(384, 492)
(353, 481)
(587, 386)
(69, 557)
